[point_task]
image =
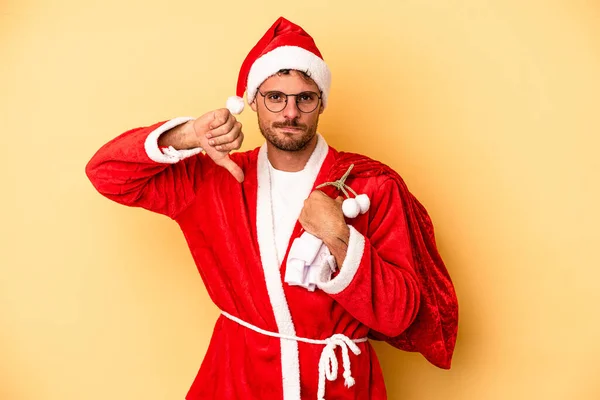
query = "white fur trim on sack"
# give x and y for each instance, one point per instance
(170, 155)
(288, 57)
(354, 254)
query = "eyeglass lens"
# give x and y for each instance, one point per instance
(306, 101)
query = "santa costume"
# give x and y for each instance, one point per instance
(280, 336)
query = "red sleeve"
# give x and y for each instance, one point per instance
(132, 170)
(377, 283)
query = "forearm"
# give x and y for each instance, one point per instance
(337, 243)
(181, 137)
(132, 170)
(381, 294)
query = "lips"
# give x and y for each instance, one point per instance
(290, 128)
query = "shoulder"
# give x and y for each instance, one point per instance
(367, 175)
(361, 167)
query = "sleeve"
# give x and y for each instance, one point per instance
(132, 170)
(377, 282)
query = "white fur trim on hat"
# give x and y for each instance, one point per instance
(288, 57)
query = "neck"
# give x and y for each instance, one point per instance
(290, 161)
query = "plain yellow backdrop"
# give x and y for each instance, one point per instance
(488, 109)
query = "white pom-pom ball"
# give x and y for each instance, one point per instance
(363, 202)
(350, 208)
(235, 104)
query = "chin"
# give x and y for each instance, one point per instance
(287, 141)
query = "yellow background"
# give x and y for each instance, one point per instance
(489, 109)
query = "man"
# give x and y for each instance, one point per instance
(241, 214)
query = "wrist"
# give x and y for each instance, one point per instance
(339, 237)
(337, 243)
(181, 137)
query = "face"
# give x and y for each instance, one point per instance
(290, 129)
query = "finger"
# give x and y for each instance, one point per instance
(229, 121)
(235, 145)
(220, 117)
(228, 137)
(233, 168)
(314, 193)
(339, 199)
(223, 129)
(319, 193)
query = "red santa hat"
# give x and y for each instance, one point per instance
(284, 46)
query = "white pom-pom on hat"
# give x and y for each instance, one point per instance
(350, 208)
(235, 104)
(363, 202)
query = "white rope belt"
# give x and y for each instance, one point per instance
(328, 363)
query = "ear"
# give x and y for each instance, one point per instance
(321, 108)
(253, 105)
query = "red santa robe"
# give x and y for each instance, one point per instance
(229, 229)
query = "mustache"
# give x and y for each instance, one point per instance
(288, 124)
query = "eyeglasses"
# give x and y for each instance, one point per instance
(276, 101)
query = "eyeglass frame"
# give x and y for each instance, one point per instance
(319, 98)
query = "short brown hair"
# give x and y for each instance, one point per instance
(304, 74)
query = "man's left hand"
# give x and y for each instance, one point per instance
(322, 217)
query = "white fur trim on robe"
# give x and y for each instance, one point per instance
(354, 254)
(290, 361)
(170, 155)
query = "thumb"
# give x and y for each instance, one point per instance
(339, 199)
(232, 167)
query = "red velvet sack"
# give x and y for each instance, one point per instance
(434, 330)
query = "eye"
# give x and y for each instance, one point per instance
(307, 97)
(275, 97)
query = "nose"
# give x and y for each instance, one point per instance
(291, 111)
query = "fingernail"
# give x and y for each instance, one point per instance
(208, 135)
(218, 147)
(211, 142)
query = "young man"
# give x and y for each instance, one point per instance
(247, 217)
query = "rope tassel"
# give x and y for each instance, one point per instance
(328, 364)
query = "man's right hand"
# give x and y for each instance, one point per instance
(217, 132)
